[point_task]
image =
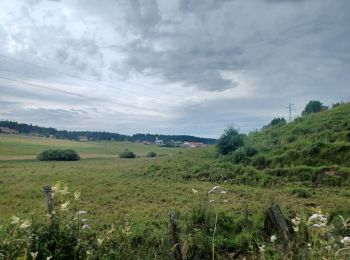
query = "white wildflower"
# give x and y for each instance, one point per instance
(296, 229)
(273, 238)
(317, 218)
(89, 252)
(49, 257)
(316, 225)
(223, 192)
(85, 226)
(64, 191)
(345, 241)
(25, 224)
(15, 220)
(262, 249)
(55, 188)
(81, 212)
(194, 191)
(34, 255)
(100, 241)
(77, 195)
(211, 201)
(64, 206)
(296, 221)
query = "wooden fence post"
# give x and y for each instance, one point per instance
(276, 217)
(48, 198)
(174, 240)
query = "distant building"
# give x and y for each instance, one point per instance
(192, 144)
(158, 141)
(7, 130)
(83, 138)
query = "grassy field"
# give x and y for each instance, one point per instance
(28, 147)
(141, 187)
(140, 192)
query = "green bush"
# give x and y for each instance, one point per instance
(127, 154)
(229, 141)
(301, 193)
(240, 156)
(151, 154)
(58, 155)
(260, 162)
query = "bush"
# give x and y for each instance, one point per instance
(58, 155)
(229, 141)
(314, 106)
(151, 154)
(260, 162)
(301, 193)
(127, 154)
(240, 156)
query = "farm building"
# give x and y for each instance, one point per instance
(7, 130)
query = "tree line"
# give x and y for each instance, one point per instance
(99, 136)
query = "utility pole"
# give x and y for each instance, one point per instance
(290, 109)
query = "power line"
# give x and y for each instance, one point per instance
(81, 78)
(74, 94)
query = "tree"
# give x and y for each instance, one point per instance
(314, 106)
(276, 121)
(229, 141)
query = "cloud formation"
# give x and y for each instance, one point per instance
(181, 66)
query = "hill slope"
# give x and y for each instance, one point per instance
(313, 149)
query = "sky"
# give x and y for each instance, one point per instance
(170, 66)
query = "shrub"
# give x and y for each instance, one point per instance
(291, 138)
(301, 193)
(314, 106)
(151, 154)
(260, 162)
(229, 141)
(127, 154)
(240, 156)
(58, 155)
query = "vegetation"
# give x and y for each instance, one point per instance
(99, 136)
(220, 201)
(314, 106)
(127, 154)
(151, 154)
(59, 155)
(229, 141)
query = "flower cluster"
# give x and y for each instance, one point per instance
(317, 220)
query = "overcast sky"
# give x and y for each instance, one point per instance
(167, 66)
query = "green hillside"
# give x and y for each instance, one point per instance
(314, 140)
(313, 149)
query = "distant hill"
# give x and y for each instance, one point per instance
(95, 135)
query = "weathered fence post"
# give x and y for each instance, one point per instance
(174, 240)
(276, 217)
(48, 198)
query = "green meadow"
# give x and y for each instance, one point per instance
(303, 167)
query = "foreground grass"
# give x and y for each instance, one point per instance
(111, 187)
